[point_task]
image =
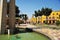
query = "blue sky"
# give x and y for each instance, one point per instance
(29, 6)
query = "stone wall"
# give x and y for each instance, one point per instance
(12, 15)
(3, 13)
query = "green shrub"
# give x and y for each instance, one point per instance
(57, 23)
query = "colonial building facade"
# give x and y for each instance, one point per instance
(52, 18)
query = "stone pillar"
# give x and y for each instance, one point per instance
(48, 21)
(3, 16)
(12, 15)
(51, 21)
(55, 21)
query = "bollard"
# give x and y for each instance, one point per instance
(8, 33)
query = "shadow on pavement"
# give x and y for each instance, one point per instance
(22, 30)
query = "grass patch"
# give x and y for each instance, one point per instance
(3, 37)
(25, 36)
(32, 36)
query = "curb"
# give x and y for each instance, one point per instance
(49, 36)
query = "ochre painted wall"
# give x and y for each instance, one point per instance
(55, 15)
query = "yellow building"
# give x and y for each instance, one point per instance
(52, 18)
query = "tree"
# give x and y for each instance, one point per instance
(57, 23)
(46, 12)
(40, 14)
(24, 17)
(36, 15)
(21, 16)
(17, 11)
(43, 11)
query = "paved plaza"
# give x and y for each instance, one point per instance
(52, 33)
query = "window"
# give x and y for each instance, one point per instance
(57, 17)
(53, 13)
(44, 21)
(49, 17)
(52, 17)
(57, 13)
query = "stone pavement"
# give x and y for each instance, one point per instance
(25, 26)
(52, 33)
